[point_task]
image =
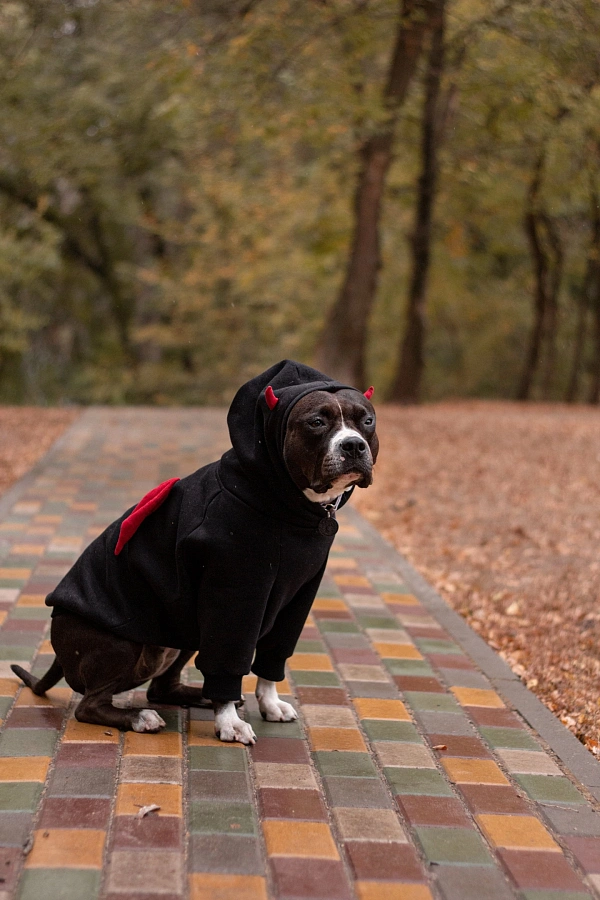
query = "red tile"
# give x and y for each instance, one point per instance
(331, 614)
(75, 812)
(89, 754)
(322, 878)
(383, 861)
(310, 633)
(356, 657)
(483, 715)
(151, 831)
(459, 745)
(415, 610)
(450, 661)
(25, 625)
(587, 852)
(287, 803)
(416, 683)
(328, 696)
(357, 589)
(536, 869)
(493, 798)
(10, 859)
(433, 811)
(36, 717)
(280, 750)
(418, 631)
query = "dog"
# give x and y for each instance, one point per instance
(224, 564)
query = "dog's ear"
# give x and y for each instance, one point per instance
(369, 392)
(270, 397)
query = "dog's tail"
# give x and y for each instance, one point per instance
(39, 686)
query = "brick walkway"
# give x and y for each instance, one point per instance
(408, 776)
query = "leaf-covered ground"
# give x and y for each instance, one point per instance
(498, 505)
(26, 432)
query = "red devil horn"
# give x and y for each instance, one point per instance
(369, 393)
(270, 397)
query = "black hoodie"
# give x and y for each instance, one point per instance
(232, 559)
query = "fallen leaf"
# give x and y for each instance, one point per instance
(152, 807)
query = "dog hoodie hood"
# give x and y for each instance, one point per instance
(229, 562)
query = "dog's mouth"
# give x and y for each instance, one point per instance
(357, 477)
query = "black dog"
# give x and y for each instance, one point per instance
(224, 563)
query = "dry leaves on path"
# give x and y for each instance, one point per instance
(26, 432)
(498, 505)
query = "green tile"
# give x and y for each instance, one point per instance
(550, 788)
(273, 729)
(388, 587)
(320, 679)
(326, 592)
(59, 884)
(20, 652)
(351, 764)
(19, 795)
(12, 582)
(408, 667)
(31, 612)
(554, 895)
(378, 621)
(434, 645)
(417, 781)
(304, 646)
(515, 738)
(5, 705)
(453, 845)
(210, 816)
(432, 702)
(173, 719)
(386, 730)
(341, 625)
(226, 759)
(28, 742)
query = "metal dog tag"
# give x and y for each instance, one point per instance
(328, 526)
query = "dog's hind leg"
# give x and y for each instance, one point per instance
(167, 687)
(39, 686)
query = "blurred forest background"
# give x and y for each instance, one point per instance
(402, 191)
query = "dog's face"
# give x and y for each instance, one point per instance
(331, 443)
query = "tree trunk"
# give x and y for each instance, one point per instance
(556, 265)
(406, 387)
(341, 351)
(540, 261)
(594, 263)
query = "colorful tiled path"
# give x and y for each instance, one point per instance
(407, 776)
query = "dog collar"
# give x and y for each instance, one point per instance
(329, 526)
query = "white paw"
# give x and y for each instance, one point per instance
(277, 711)
(148, 720)
(235, 731)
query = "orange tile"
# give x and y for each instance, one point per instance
(24, 768)
(15, 573)
(473, 771)
(202, 734)
(477, 697)
(397, 651)
(166, 743)
(3, 615)
(48, 520)
(349, 529)
(517, 832)
(12, 526)
(84, 507)
(336, 739)
(28, 549)
(386, 890)
(68, 848)
(39, 529)
(352, 581)
(9, 687)
(55, 697)
(131, 796)
(46, 647)
(249, 685)
(342, 562)
(81, 731)
(32, 600)
(327, 604)
(313, 662)
(294, 838)
(368, 708)
(400, 599)
(227, 887)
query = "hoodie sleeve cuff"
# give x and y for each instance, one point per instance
(267, 665)
(221, 686)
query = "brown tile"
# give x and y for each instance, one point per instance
(426, 632)
(587, 852)
(459, 745)
(536, 869)
(162, 769)
(494, 798)
(328, 696)
(151, 831)
(284, 775)
(75, 812)
(133, 870)
(91, 756)
(416, 683)
(284, 750)
(450, 661)
(10, 864)
(35, 717)
(310, 878)
(286, 803)
(213, 785)
(350, 655)
(374, 861)
(433, 811)
(328, 716)
(363, 824)
(484, 715)
(331, 614)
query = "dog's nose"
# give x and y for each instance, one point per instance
(354, 447)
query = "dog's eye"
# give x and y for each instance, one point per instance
(316, 423)
(369, 421)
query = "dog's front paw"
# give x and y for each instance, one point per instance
(236, 731)
(148, 720)
(277, 711)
